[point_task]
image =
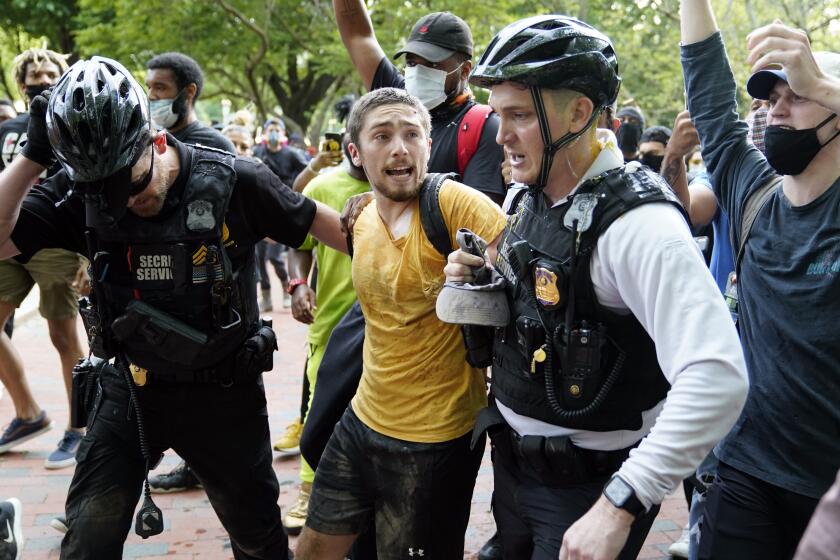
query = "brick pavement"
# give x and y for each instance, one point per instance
(192, 530)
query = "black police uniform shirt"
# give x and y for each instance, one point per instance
(287, 163)
(197, 133)
(484, 170)
(269, 210)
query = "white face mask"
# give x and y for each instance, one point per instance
(427, 84)
(162, 114)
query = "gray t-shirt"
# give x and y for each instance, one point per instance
(789, 289)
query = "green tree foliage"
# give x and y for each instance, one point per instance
(52, 19)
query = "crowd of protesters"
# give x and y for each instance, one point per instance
(651, 306)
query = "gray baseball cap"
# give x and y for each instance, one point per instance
(474, 304)
(437, 36)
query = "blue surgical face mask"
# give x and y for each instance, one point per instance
(166, 113)
(274, 137)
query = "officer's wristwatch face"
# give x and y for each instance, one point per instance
(618, 491)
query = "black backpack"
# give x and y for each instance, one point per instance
(431, 216)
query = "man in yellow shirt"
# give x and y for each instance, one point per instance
(400, 455)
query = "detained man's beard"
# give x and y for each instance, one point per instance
(402, 194)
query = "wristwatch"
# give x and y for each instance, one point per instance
(622, 496)
(294, 284)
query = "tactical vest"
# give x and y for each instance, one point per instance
(603, 366)
(174, 293)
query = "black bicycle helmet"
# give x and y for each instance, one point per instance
(554, 52)
(97, 119)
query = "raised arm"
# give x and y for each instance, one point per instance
(697, 21)
(736, 167)
(359, 39)
(698, 201)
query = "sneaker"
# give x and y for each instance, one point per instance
(287, 301)
(11, 535)
(295, 518)
(59, 524)
(20, 430)
(65, 454)
(289, 442)
(679, 548)
(492, 549)
(177, 480)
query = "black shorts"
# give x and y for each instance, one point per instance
(417, 494)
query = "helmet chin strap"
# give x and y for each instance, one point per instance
(550, 148)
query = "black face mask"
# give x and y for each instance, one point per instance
(653, 161)
(34, 91)
(629, 135)
(789, 152)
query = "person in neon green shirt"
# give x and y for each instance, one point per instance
(323, 309)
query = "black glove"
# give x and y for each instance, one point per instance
(37, 146)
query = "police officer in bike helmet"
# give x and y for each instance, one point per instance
(178, 347)
(600, 406)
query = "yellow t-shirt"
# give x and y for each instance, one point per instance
(416, 383)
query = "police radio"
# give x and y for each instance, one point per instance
(580, 357)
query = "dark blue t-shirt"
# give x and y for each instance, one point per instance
(789, 291)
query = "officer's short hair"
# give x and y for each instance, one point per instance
(186, 70)
(379, 98)
(36, 57)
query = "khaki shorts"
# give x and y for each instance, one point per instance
(54, 271)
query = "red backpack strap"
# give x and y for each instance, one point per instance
(469, 133)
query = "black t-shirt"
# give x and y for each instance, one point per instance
(484, 170)
(12, 138)
(267, 209)
(197, 133)
(12, 135)
(286, 163)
